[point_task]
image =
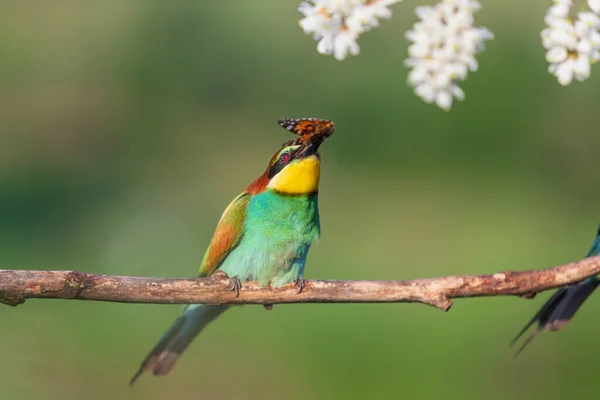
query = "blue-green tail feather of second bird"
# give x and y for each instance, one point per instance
(560, 308)
(263, 235)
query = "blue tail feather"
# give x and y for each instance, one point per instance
(163, 356)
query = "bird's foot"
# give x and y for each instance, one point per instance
(236, 285)
(299, 282)
(268, 307)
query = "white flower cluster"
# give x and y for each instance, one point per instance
(573, 45)
(444, 44)
(336, 24)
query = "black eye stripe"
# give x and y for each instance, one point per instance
(275, 169)
(279, 164)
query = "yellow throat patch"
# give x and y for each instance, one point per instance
(299, 177)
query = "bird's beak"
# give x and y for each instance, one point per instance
(311, 144)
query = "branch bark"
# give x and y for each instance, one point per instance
(16, 286)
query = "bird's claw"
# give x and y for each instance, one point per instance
(299, 282)
(236, 285)
(268, 307)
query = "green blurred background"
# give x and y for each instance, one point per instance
(127, 127)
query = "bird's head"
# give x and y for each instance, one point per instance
(295, 168)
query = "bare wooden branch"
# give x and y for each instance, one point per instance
(16, 286)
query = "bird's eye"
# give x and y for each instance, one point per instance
(285, 157)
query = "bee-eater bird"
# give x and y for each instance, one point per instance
(558, 311)
(263, 235)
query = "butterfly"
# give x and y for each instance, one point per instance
(308, 127)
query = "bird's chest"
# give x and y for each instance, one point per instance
(277, 235)
(275, 219)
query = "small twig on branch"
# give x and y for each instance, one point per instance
(16, 286)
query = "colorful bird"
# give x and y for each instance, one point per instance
(558, 311)
(263, 235)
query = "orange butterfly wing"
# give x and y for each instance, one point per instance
(308, 126)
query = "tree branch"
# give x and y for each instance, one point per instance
(16, 286)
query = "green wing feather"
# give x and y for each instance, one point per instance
(227, 235)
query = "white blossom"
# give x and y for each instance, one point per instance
(443, 49)
(336, 24)
(594, 5)
(572, 44)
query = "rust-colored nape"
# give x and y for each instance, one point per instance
(308, 127)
